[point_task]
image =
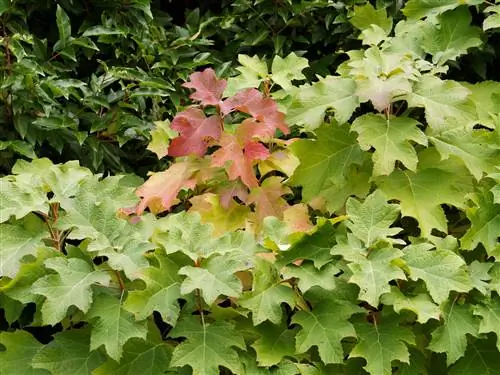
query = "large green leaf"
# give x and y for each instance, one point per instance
(441, 270)
(481, 357)
(490, 317)
(20, 348)
(215, 276)
(139, 357)
(421, 195)
(446, 103)
(112, 326)
(70, 286)
(325, 160)
(18, 241)
(420, 304)
(452, 36)
(309, 106)
(391, 137)
(324, 327)
(19, 198)
(371, 220)
(451, 337)
(382, 342)
(161, 292)
(69, 353)
(285, 70)
(485, 220)
(427, 8)
(275, 343)
(374, 273)
(207, 346)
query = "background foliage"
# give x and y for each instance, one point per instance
(324, 199)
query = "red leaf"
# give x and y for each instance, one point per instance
(238, 160)
(159, 192)
(267, 117)
(195, 130)
(209, 88)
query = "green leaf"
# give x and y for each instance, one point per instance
(421, 195)
(63, 180)
(71, 286)
(309, 106)
(309, 276)
(275, 343)
(451, 337)
(420, 304)
(427, 8)
(267, 295)
(479, 276)
(19, 197)
(284, 71)
(19, 240)
(390, 136)
(207, 346)
(64, 27)
(371, 220)
(184, 232)
(441, 270)
(485, 224)
(253, 71)
(452, 36)
(20, 147)
(69, 353)
(324, 327)
(477, 149)
(112, 326)
(446, 103)
(493, 20)
(160, 138)
(215, 276)
(20, 287)
(381, 77)
(139, 357)
(490, 317)
(382, 342)
(161, 292)
(486, 98)
(373, 274)
(325, 160)
(314, 246)
(481, 357)
(20, 348)
(4, 6)
(366, 15)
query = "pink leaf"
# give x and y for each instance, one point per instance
(195, 131)
(208, 88)
(264, 110)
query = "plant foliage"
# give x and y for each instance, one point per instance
(346, 224)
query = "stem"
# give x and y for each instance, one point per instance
(199, 302)
(120, 281)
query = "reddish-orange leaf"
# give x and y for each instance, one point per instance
(238, 160)
(264, 111)
(159, 192)
(267, 199)
(195, 131)
(208, 88)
